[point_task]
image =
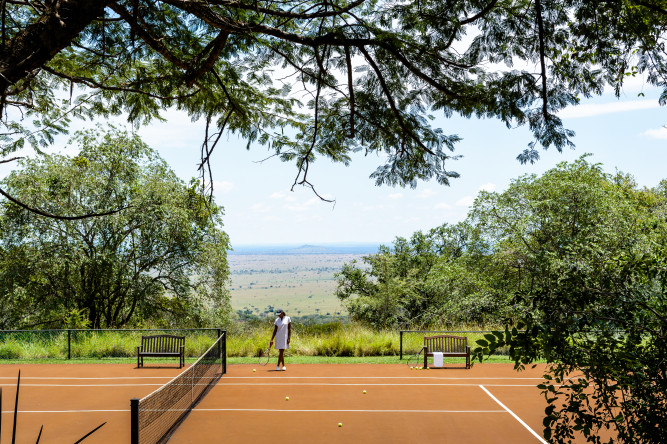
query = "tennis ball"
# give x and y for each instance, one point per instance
(340, 424)
(254, 370)
(364, 392)
(286, 398)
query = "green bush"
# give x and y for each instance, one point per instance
(10, 350)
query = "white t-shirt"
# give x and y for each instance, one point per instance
(281, 333)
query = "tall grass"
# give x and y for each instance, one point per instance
(244, 340)
(333, 339)
(37, 345)
(34, 345)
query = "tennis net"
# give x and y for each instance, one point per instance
(156, 416)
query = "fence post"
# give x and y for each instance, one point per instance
(69, 344)
(224, 353)
(401, 346)
(134, 421)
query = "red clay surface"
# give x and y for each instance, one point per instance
(400, 405)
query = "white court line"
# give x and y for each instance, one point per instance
(372, 384)
(261, 384)
(268, 410)
(76, 377)
(378, 377)
(348, 411)
(343, 384)
(82, 385)
(67, 411)
(514, 415)
(168, 378)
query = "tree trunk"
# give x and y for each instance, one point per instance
(38, 43)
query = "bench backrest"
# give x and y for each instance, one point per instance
(446, 343)
(162, 343)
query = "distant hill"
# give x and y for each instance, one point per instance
(352, 248)
(311, 249)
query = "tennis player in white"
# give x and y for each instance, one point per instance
(282, 332)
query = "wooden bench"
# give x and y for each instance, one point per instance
(450, 346)
(161, 346)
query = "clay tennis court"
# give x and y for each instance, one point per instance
(487, 404)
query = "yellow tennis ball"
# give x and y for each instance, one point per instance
(254, 370)
(364, 392)
(340, 424)
(286, 398)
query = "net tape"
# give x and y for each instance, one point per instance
(161, 410)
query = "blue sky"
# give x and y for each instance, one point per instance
(625, 134)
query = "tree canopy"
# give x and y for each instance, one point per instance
(316, 79)
(160, 261)
(573, 264)
(437, 279)
(587, 250)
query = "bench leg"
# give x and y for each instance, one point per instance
(425, 357)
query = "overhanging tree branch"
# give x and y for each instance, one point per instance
(55, 216)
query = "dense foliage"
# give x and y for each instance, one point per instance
(160, 260)
(435, 279)
(341, 75)
(574, 264)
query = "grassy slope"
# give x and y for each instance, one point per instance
(302, 284)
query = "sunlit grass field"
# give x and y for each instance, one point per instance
(301, 284)
(310, 343)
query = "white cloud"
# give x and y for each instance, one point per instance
(425, 194)
(395, 196)
(260, 208)
(589, 110)
(659, 133)
(465, 201)
(303, 206)
(490, 187)
(277, 195)
(223, 187)
(272, 219)
(307, 218)
(374, 207)
(443, 206)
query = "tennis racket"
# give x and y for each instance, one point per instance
(264, 356)
(416, 358)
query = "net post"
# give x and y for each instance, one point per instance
(401, 346)
(223, 351)
(134, 421)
